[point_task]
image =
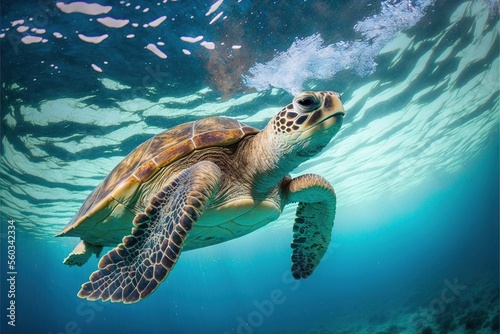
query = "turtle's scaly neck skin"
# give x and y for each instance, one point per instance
(301, 130)
(265, 159)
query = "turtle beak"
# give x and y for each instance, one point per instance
(334, 103)
(339, 113)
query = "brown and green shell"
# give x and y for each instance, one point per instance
(121, 185)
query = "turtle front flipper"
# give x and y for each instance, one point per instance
(314, 221)
(136, 267)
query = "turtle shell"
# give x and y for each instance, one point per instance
(114, 196)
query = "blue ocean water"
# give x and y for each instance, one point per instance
(415, 245)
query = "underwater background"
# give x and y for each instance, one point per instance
(415, 245)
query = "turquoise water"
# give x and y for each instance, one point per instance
(415, 166)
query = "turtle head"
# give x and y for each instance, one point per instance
(308, 124)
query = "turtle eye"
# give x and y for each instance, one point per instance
(307, 103)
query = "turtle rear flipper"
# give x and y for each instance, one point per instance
(82, 253)
(314, 222)
(136, 267)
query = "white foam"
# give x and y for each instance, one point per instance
(22, 29)
(96, 68)
(93, 39)
(57, 35)
(186, 52)
(17, 22)
(215, 18)
(31, 39)
(191, 39)
(153, 48)
(83, 7)
(208, 45)
(214, 7)
(112, 23)
(309, 59)
(157, 22)
(40, 31)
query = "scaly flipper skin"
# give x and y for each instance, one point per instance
(314, 221)
(136, 267)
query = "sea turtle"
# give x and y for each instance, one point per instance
(203, 183)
